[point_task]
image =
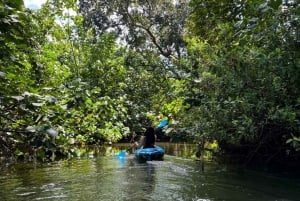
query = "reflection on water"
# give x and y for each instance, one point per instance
(106, 177)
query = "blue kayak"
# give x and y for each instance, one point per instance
(149, 154)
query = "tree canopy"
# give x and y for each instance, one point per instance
(93, 71)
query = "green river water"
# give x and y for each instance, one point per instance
(101, 177)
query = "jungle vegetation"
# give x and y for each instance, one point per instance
(90, 72)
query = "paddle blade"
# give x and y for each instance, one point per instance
(122, 154)
(163, 123)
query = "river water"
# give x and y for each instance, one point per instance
(104, 177)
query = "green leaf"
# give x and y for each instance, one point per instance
(37, 104)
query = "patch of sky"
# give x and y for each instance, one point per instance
(34, 4)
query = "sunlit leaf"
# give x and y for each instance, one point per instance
(52, 132)
(37, 104)
(18, 98)
(2, 74)
(30, 129)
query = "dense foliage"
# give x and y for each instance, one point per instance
(246, 58)
(94, 71)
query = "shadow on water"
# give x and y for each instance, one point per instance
(106, 177)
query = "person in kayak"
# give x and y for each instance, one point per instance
(148, 140)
